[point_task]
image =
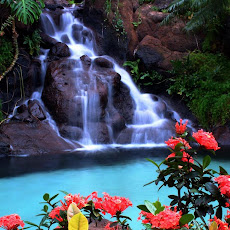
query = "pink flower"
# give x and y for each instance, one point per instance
(180, 128)
(167, 219)
(11, 222)
(224, 184)
(206, 139)
(111, 228)
(174, 141)
(221, 224)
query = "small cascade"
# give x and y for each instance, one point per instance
(102, 104)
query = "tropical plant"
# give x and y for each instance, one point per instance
(201, 13)
(26, 11)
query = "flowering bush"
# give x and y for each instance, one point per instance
(11, 222)
(92, 205)
(197, 192)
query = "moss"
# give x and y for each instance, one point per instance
(6, 54)
(203, 81)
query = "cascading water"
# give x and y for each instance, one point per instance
(94, 88)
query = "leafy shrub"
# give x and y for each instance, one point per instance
(202, 79)
(33, 42)
(6, 54)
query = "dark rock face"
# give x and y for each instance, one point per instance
(47, 41)
(33, 138)
(60, 50)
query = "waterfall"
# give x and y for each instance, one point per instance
(150, 123)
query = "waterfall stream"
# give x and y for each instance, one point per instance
(150, 124)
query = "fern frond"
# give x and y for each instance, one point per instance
(7, 23)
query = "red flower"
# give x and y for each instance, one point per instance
(180, 128)
(224, 184)
(55, 213)
(228, 215)
(166, 219)
(11, 222)
(80, 201)
(111, 204)
(174, 141)
(221, 224)
(206, 139)
(111, 228)
(185, 158)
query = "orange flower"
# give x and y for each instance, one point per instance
(180, 128)
(206, 139)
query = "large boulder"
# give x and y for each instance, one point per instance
(33, 138)
(59, 94)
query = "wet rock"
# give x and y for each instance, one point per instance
(102, 62)
(125, 136)
(36, 110)
(222, 135)
(33, 138)
(77, 27)
(87, 35)
(59, 94)
(47, 41)
(116, 121)
(65, 39)
(5, 148)
(149, 56)
(60, 50)
(34, 76)
(124, 103)
(86, 61)
(71, 132)
(99, 133)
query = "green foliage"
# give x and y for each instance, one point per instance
(155, 8)
(142, 78)
(203, 81)
(33, 42)
(26, 11)
(208, 15)
(118, 23)
(6, 54)
(139, 21)
(108, 7)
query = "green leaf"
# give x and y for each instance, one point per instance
(30, 223)
(66, 193)
(53, 197)
(223, 171)
(143, 208)
(185, 219)
(150, 207)
(46, 196)
(212, 188)
(206, 161)
(45, 208)
(158, 206)
(153, 162)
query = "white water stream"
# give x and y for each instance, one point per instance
(149, 127)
